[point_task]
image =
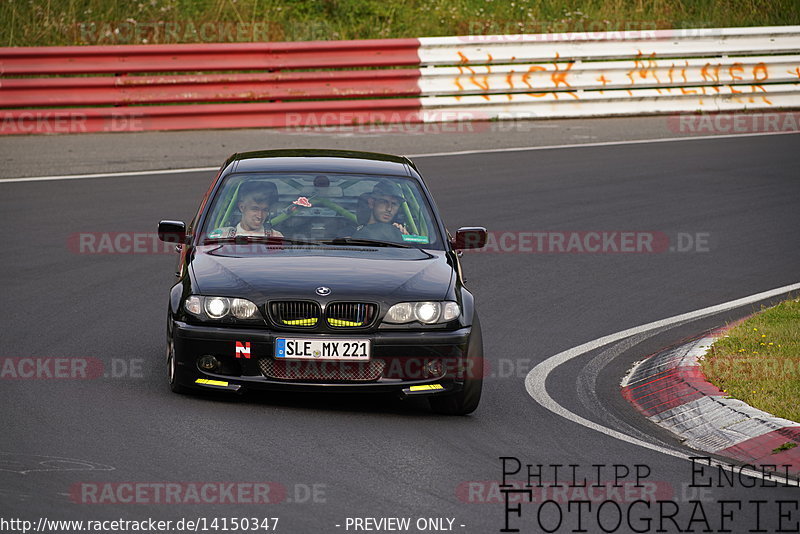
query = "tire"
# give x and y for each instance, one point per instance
(172, 370)
(466, 401)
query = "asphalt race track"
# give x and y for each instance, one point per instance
(729, 208)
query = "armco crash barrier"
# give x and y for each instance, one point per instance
(327, 83)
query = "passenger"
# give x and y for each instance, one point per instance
(254, 206)
(384, 203)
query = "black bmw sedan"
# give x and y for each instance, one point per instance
(323, 270)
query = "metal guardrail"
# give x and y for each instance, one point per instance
(130, 90)
(208, 57)
(45, 90)
(612, 73)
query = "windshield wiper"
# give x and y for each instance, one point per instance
(271, 240)
(367, 242)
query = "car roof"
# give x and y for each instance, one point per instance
(318, 160)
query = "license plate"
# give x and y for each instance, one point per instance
(322, 349)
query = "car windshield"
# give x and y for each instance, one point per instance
(331, 209)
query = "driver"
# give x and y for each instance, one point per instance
(384, 203)
(254, 208)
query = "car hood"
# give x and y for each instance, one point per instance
(386, 274)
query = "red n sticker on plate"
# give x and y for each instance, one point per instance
(243, 349)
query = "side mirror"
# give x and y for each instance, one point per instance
(172, 231)
(469, 237)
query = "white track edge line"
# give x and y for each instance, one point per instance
(106, 175)
(598, 144)
(428, 155)
(536, 379)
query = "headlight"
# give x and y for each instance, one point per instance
(400, 313)
(424, 312)
(220, 308)
(243, 309)
(451, 311)
(194, 305)
(217, 307)
(427, 312)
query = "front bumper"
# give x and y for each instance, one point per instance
(430, 362)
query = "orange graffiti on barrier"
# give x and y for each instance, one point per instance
(707, 76)
(483, 85)
(760, 74)
(644, 67)
(761, 69)
(604, 81)
(560, 76)
(464, 59)
(685, 80)
(532, 68)
(480, 84)
(458, 82)
(738, 68)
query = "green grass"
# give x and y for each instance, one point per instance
(785, 447)
(84, 22)
(759, 361)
